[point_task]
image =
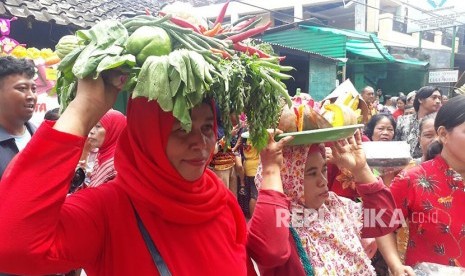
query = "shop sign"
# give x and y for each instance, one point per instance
(443, 76)
(427, 15)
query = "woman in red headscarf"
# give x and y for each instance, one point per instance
(104, 136)
(164, 213)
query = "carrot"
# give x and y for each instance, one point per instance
(181, 22)
(213, 31)
(225, 54)
(220, 17)
(52, 60)
(249, 33)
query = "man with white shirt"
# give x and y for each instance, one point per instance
(17, 102)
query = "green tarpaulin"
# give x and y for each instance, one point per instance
(358, 47)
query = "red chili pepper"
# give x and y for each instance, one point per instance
(147, 11)
(250, 50)
(220, 17)
(249, 33)
(202, 29)
(244, 24)
(181, 22)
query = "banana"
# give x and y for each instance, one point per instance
(340, 115)
(344, 99)
(354, 102)
(348, 99)
(334, 114)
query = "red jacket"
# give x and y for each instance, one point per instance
(42, 231)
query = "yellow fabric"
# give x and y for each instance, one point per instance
(252, 159)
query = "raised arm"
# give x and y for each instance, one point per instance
(40, 232)
(378, 203)
(93, 99)
(268, 236)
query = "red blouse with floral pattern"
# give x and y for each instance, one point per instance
(432, 198)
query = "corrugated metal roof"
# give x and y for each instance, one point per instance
(79, 13)
(310, 53)
(326, 44)
(359, 47)
(361, 44)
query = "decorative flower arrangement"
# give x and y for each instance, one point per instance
(44, 59)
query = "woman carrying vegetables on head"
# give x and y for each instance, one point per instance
(299, 227)
(194, 222)
(164, 213)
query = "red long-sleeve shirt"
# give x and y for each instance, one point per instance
(42, 231)
(431, 197)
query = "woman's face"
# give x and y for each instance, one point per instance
(453, 142)
(315, 181)
(189, 152)
(384, 130)
(411, 100)
(432, 103)
(400, 104)
(97, 136)
(409, 111)
(427, 135)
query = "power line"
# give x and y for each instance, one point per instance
(295, 17)
(328, 25)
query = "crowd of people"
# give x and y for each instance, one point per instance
(152, 199)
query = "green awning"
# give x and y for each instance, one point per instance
(358, 47)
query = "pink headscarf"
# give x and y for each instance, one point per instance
(292, 171)
(113, 122)
(333, 247)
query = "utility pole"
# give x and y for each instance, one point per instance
(452, 47)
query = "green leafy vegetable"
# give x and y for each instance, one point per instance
(179, 79)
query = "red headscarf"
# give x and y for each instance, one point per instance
(151, 181)
(113, 122)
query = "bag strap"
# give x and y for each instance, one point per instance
(308, 268)
(156, 257)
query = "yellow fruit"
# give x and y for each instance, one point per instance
(46, 53)
(340, 115)
(19, 52)
(348, 99)
(354, 102)
(344, 99)
(333, 114)
(33, 53)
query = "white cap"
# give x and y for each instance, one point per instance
(411, 94)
